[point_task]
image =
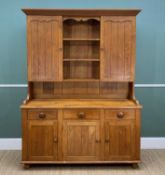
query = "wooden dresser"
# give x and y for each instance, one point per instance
(80, 106)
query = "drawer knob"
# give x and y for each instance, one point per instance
(81, 115)
(120, 114)
(42, 115)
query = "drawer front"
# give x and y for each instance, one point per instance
(119, 114)
(42, 114)
(81, 114)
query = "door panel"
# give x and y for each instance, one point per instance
(119, 140)
(44, 48)
(81, 140)
(117, 48)
(42, 140)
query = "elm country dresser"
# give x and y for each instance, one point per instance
(80, 106)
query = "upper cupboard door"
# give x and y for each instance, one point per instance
(117, 48)
(44, 48)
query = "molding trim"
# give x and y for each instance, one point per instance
(146, 143)
(136, 85)
(153, 142)
(150, 85)
(13, 85)
(10, 144)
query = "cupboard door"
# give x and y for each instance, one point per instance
(44, 48)
(42, 140)
(117, 48)
(119, 140)
(81, 141)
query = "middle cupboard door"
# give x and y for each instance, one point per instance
(81, 140)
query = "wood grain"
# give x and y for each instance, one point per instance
(44, 45)
(42, 140)
(73, 103)
(117, 44)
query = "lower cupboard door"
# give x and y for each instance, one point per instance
(81, 141)
(119, 140)
(42, 140)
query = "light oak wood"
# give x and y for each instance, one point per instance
(44, 44)
(42, 140)
(81, 114)
(81, 140)
(81, 107)
(117, 48)
(72, 103)
(42, 114)
(119, 139)
(119, 114)
(82, 90)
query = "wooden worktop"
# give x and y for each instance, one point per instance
(70, 103)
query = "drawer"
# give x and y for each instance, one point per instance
(119, 114)
(42, 114)
(81, 114)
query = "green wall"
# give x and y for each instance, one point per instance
(149, 69)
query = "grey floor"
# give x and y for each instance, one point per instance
(153, 163)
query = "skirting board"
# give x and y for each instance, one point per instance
(146, 143)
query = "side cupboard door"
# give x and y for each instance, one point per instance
(117, 48)
(44, 37)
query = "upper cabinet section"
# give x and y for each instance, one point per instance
(81, 45)
(44, 48)
(117, 48)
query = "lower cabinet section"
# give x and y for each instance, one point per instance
(81, 135)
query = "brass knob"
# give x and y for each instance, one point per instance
(120, 114)
(81, 115)
(42, 115)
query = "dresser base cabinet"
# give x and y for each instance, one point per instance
(81, 106)
(81, 135)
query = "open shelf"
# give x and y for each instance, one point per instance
(81, 43)
(74, 59)
(81, 70)
(81, 50)
(81, 39)
(81, 28)
(81, 80)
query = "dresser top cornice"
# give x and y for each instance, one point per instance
(82, 12)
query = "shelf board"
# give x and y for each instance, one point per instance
(81, 39)
(68, 59)
(80, 80)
